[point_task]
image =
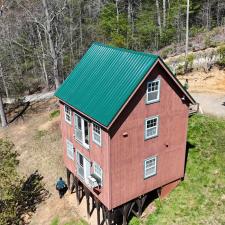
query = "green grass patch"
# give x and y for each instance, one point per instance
(200, 198)
(54, 114)
(40, 134)
(56, 221)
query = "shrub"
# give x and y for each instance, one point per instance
(54, 114)
(18, 196)
(221, 52)
(134, 221)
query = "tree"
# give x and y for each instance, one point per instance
(2, 113)
(187, 34)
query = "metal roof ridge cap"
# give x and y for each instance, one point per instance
(126, 50)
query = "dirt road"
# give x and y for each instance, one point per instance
(211, 103)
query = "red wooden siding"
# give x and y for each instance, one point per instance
(127, 154)
(121, 157)
(96, 153)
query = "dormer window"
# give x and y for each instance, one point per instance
(153, 91)
(67, 114)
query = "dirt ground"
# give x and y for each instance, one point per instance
(201, 82)
(208, 89)
(38, 141)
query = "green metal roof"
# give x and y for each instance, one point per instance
(103, 80)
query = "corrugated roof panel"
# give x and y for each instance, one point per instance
(103, 80)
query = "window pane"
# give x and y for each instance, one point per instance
(150, 167)
(153, 91)
(96, 134)
(86, 132)
(70, 152)
(151, 128)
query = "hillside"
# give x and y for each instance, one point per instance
(199, 199)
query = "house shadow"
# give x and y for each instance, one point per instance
(189, 146)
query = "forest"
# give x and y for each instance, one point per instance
(42, 40)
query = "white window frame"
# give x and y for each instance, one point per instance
(158, 91)
(152, 167)
(67, 112)
(69, 149)
(82, 130)
(100, 176)
(96, 133)
(156, 126)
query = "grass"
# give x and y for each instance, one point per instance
(56, 221)
(54, 113)
(200, 198)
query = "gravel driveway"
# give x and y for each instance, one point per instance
(211, 103)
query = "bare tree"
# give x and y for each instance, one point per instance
(158, 17)
(2, 113)
(164, 13)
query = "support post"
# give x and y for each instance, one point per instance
(98, 204)
(87, 194)
(125, 212)
(77, 189)
(68, 177)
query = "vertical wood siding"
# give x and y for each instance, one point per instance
(129, 152)
(96, 153)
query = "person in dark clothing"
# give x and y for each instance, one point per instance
(186, 85)
(61, 187)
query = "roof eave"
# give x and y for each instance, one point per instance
(186, 93)
(83, 114)
(159, 60)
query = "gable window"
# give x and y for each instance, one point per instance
(98, 172)
(69, 149)
(96, 134)
(153, 91)
(68, 114)
(82, 131)
(151, 127)
(150, 167)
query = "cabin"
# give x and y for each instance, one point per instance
(124, 120)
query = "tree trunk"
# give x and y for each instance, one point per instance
(164, 13)
(117, 15)
(51, 45)
(187, 36)
(80, 24)
(43, 59)
(3, 82)
(158, 17)
(2, 113)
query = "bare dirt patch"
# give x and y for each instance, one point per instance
(200, 81)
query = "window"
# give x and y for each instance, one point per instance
(151, 127)
(68, 114)
(80, 165)
(153, 91)
(150, 165)
(69, 149)
(98, 171)
(96, 134)
(82, 131)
